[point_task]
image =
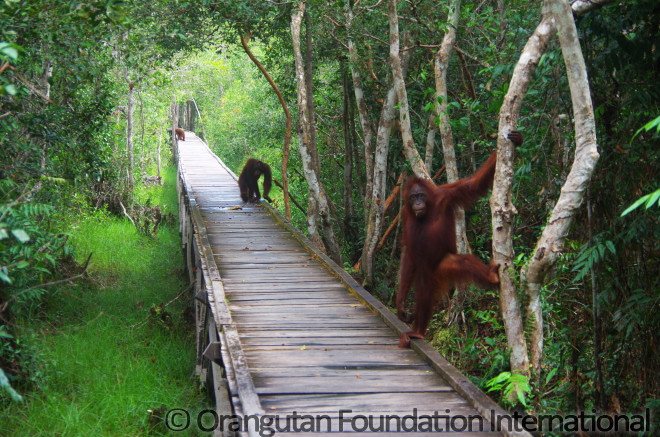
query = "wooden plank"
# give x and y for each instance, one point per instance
(245, 387)
(386, 358)
(347, 384)
(318, 333)
(315, 343)
(220, 390)
(288, 297)
(374, 403)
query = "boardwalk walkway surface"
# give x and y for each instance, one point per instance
(293, 335)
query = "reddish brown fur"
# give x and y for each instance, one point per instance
(180, 134)
(248, 180)
(429, 260)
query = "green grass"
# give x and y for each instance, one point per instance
(101, 360)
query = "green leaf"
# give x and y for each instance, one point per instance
(550, 375)
(8, 51)
(4, 277)
(654, 198)
(635, 205)
(21, 235)
(22, 265)
(650, 200)
(521, 397)
(10, 89)
(610, 246)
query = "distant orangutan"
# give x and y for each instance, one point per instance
(180, 134)
(247, 181)
(429, 260)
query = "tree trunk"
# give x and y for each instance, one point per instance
(441, 64)
(175, 118)
(309, 83)
(550, 245)
(363, 112)
(142, 169)
(199, 116)
(287, 136)
(129, 129)
(318, 212)
(160, 140)
(348, 157)
(376, 207)
(409, 149)
(502, 209)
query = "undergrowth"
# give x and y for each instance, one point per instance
(100, 364)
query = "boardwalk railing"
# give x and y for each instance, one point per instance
(283, 331)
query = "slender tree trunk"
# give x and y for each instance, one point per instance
(287, 136)
(309, 83)
(46, 74)
(409, 149)
(318, 212)
(175, 119)
(348, 157)
(141, 130)
(441, 64)
(199, 116)
(160, 140)
(376, 207)
(550, 245)
(430, 143)
(129, 128)
(363, 112)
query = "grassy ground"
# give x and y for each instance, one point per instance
(101, 360)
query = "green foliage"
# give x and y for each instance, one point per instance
(509, 384)
(648, 200)
(95, 342)
(590, 256)
(28, 251)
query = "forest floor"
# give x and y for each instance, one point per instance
(112, 352)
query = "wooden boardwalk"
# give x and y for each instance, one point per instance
(288, 332)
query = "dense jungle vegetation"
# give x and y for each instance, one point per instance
(88, 91)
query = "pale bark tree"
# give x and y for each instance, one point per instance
(363, 112)
(374, 224)
(318, 212)
(158, 159)
(309, 74)
(175, 124)
(347, 114)
(502, 209)
(129, 126)
(441, 64)
(409, 149)
(550, 246)
(441, 114)
(375, 199)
